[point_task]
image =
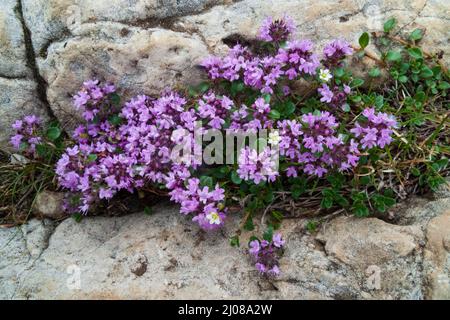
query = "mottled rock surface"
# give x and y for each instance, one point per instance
(12, 43)
(51, 20)
(49, 204)
(437, 257)
(164, 255)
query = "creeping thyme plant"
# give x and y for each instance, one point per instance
(344, 144)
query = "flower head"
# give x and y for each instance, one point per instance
(277, 30)
(266, 255)
(376, 131)
(335, 51)
(27, 135)
(257, 167)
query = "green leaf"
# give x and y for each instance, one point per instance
(77, 217)
(444, 85)
(403, 79)
(346, 107)
(148, 211)
(356, 83)
(374, 72)
(415, 53)
(416, 35)
(440, 164)
(415, 172)
(274, 114)
(203, 87)
(237, 87)
(420, 96)
(340, 200)
(339, 72)
(268, 197)
(23, 146)
(249, 225)
(42, 150)
(360, 209)
(235, 178)
(337, 180)
(389, 25)
(53, 133)
(234, 241)
(115, 99)
(379, 101)
(115, 120)
(435, 181)
(92, 157)
(326, 203)
(311, 226)
(289, 108)
(356, 98)
(206, 181)
(364, 40)
(393, 56)
(328, 193)
(426, 72)
(365, 180)
(389, 202)
(268, 235)
(297, 190)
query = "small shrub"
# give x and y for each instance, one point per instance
(345, 145)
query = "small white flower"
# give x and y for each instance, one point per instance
(274, 138)
(213, 218)
(325, 75)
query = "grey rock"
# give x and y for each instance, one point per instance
(16, 158)
(437, 257)
(166, 256)
(20, 250)
(138, 264)
(51, 20)
(49, 204)
(443, 190)
(13, 62)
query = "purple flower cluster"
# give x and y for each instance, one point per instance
(315, 146)
(277, 31)
(28, 135)
(214, 109)
(91, 97)
(265, 72)
(138, 149)
(204, 203)
(336, 98)
(266, 254)
(253, 118)
(376, 131)
(298, 58)
(335, 51)
(257, 167)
